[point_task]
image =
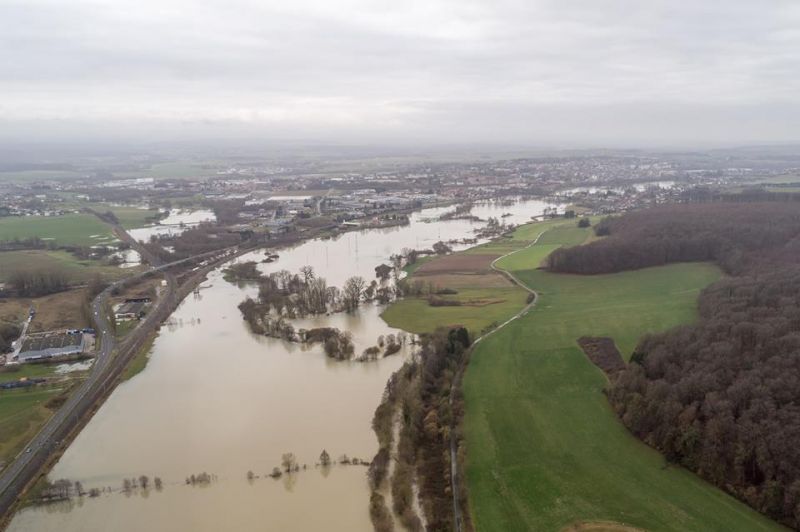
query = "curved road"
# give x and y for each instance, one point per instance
(457, 519)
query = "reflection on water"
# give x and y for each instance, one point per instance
(216, 398)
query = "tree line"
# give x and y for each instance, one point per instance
(721, 396)
(420, 391)
(730, 234)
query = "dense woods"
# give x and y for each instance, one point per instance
(721, 396)
(733, 235)
(36, 283)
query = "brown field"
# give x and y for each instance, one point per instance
(56, 311)
(465, 280)
(603, 353)
(458, 263)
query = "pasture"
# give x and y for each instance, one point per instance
(544, 449)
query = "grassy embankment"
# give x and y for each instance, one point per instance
(545, 451)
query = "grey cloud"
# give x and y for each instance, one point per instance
(650, 72)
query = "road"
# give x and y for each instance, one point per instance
(454, 477)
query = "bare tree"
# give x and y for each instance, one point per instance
(289, 462)
(353, 289)
(308, 273)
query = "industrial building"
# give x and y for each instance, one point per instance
(43, 346)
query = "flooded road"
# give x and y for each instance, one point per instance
(215, 398)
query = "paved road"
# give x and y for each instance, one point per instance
(454, 478)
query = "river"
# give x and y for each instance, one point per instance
(215, 398)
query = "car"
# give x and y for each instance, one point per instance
(29, 449)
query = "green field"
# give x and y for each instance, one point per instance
(38, 259)
(70, 229)
(28, 371)
(544, 449)
(129, 217)
(417, 316)
(22, 413)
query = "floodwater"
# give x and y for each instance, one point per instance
(176, 222)
(215, 398)
(618, 189)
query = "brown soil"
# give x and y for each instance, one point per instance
(57, 311)
(603, 353)
(457, 263)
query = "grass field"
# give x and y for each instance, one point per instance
(544, 449)
(27, 371)
(490, 305)
(129, 217)
(22, 412)
(70, 229)
(38, 259)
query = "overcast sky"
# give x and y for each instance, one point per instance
(547, 72)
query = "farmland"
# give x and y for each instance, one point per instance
(545, 450)
(485, 297)
(22, 412)
(76, 269)
(69, 229)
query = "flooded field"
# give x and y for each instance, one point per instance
(215, 398)
(173, 224)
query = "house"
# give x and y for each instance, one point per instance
(130, 310)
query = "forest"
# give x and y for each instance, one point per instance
(734, 235)
(720, 397)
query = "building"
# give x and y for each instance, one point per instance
(43, 346)
(130, 310)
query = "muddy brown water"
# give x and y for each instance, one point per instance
(216, 398)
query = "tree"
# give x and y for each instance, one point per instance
(144, 482)
(584, 222)
(308, 273)
(289, 462)
(353, 288)
(383, 272)
(250, 476)
(325, 458)
(440, 248)
(157, 483)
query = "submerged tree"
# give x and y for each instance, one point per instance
(324, 458)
